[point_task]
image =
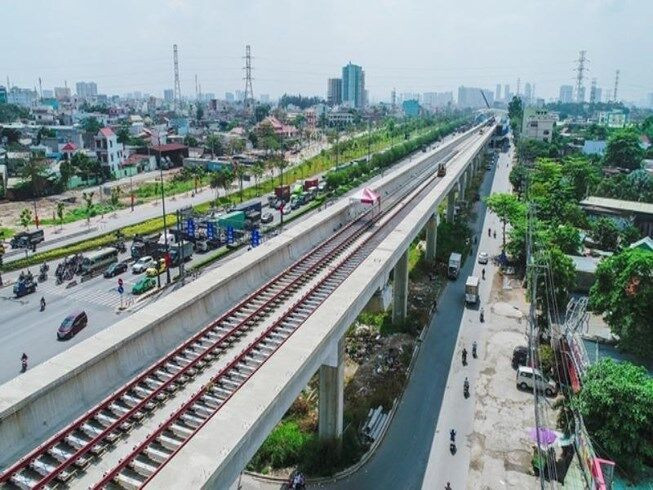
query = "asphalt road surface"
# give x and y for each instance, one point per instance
(402, 458)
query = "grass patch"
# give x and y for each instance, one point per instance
(6, 232)
(282, 448)
(81, 213)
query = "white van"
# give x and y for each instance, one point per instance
(527, 377)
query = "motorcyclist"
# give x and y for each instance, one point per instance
(452, 435)
(42, 303)
(23, 361)
(494, 234)
(489, 232)
(482, 317)
(483, 273)
(464, 356)
(466, 387)
(474, 350)
(448, 486)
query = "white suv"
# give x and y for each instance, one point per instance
(142, 264)
(527, 377)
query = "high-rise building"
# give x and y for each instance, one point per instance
(507, 96)
(566, 94)
(3, 95)
(580, 95)
(472, 97)
(435, 100)
(62, 93)
(528, 92)
(229, 97)
(86, 89)
(649, 100)
(497, 92)
(240, 95)
(353, 86)
(334, 91)
(169, 95)
(598, 93)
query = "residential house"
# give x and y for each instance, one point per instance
(108, 150)
(621, 212)
(538, 124)
(280, 129)
(612, 119)
(594, 147)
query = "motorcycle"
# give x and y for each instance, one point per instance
(466, 388)
(481, 316)
(43, 276)
(296, 482)
(452, 448)
(464, 357)
(474, 350)
(42, 304)
(23, 363)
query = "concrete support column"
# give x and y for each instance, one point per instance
(431, 238)
(331, 394)
(451, 199)
(462, 185)
(400, 289)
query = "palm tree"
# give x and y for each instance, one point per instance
(280, 164)
(215, 144)
(214, 182)
(258, 170)
(60, 208)
(240, 175)
(33, 172)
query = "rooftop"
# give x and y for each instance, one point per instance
(617, 205)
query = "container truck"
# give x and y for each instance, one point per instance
(145, 245)
(177, 251)
(471, 290)
(282, 192)
(455, 260)
(308, 183)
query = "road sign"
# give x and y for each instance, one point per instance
(255, 238)
(230, 234)
(121, 289)
(119, 282)
(210, 230)
(190, 227)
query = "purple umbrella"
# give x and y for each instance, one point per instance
(546, 436)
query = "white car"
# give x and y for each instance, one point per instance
(483, 257)
(142, 264)
(527, 377)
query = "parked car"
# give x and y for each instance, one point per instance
(267, 218)
(142, 264)
(483, 257)
(528, 377)
(72, 324)
(144, 284)
(286, 209)
(519, 356)
(115, 269)
(153, 271)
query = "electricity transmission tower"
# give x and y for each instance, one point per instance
(177, 86)
(581, 69)
(248, 101)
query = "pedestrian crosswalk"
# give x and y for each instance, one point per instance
(98, 293)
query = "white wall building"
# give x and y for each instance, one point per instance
(538, 124)
(108, 150)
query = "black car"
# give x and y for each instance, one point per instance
(266, 218)
(519, 356)
(72, 324)
(115, 269)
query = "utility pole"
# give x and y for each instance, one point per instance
(581, 69)
(369, 136)
(616, 85)
(248, 102)
(177, 86)
(40, 89)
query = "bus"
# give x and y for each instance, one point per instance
(99, 260)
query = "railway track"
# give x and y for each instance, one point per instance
(57, 461)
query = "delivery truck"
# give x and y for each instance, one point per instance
(235, 219)
(455, 260)
(471, 290)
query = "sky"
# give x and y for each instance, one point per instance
(411, 45)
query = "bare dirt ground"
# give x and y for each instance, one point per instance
(501, 447)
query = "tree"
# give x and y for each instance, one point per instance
(562, 273)
(190, 140)
(91, 125)
(215, 144)
(199, 113)
(214, 183)
(25, 217)
(258, 170)
(235, 145)
(11, 112)
(240, 173)
(508, 209)
(34, 173)
(66, 172)
(628, 235)
(88, 200)
(116, 192)
(581, 175)
(261, 112)
(86, 166)
(518, 178)
(616, 403)
(605, 234)
(515, 113)
(60, 209)
(566, 238)
(280, 164)
(623, 150)
(226, 179)
(623, 293)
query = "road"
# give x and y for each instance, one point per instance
(24, 328)
(416, 434)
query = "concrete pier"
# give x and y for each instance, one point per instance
(400, 289)
(331, 394)
(431, 238)
(451, 200)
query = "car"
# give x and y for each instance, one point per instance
(287, 209)
(71, 325)
(142, 264)
(519, 356)
(153, 272)
(115, 269)
(322, 186)
(528, 377)
(267, 218)
(143, 284)
(483, 257)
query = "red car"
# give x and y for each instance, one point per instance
(72, 324)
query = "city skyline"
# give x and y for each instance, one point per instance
(138, 55)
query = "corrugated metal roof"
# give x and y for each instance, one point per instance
(618, 205)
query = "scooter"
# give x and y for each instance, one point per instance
(481, 316)
(474, 350)
(464, 357)
(466, 389)
(452, 448)
(42, 304)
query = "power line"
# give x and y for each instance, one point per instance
(249, 92)
(581, 69)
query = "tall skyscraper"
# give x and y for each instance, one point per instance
(471, 97)
(86, 89)
(353, 86)
(528, 92)
(506, 92)
(334, 91)
(497, 92)
(566, 94)
(169, 95)
(229, 97)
